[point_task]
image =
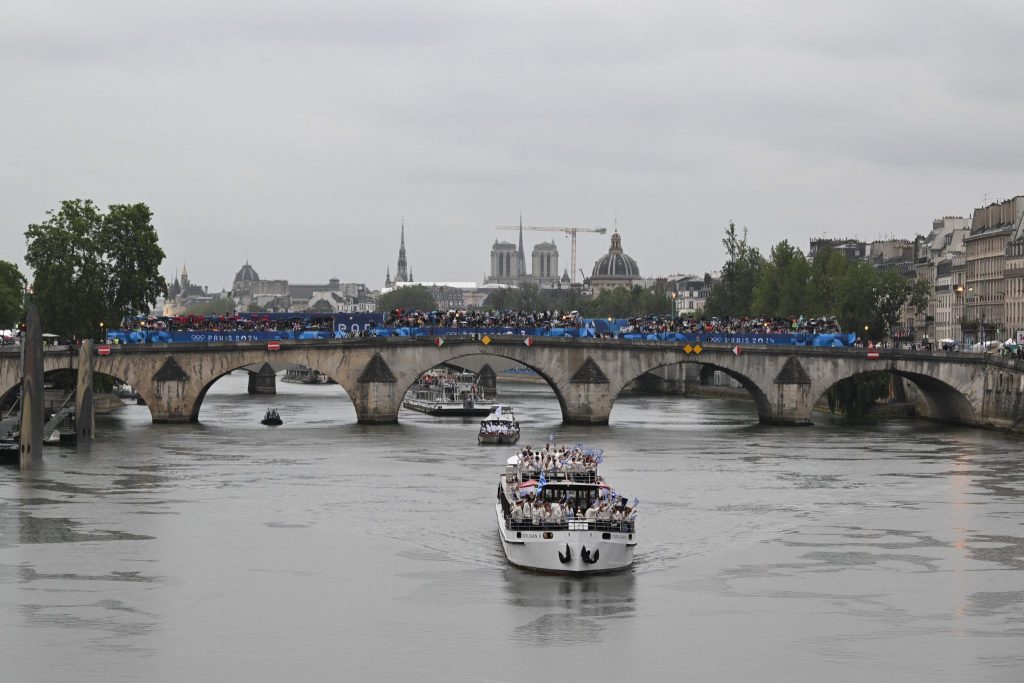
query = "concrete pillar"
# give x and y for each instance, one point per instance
(488, 382)
(31, 429)
(586, 404)
(264, 381)
(791, 402)
(376, 396)
(85, 418)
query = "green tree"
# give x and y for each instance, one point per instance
(857, 297)
(823, 289)
(130, 244)
(628, 302)
(415, 297)
(894, 291)
(782, 285)
(92, 267)
(733, 294)
(12, 295)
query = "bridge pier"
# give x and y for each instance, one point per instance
(264, 381)
(377, 403)
(85, 417)
(586, 404)
(376, 396)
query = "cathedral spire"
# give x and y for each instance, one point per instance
(521, 255)
(402, 274)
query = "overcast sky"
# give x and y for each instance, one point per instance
(298, 134)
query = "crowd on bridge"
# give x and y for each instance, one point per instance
(653, 324)
(463, 317)
(226, 323)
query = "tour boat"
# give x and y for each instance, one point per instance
(499, 427)
(304, 375)
(272, 418)
(443, 393)
(600, 537)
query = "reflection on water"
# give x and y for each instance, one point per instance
(888, 552)
(569, 609)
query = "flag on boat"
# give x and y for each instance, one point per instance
(542, 484)
(497, 411)
(636, 501)
(551, 437)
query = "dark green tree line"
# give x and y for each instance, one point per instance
(864, 299)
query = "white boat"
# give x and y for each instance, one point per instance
(500, 426)
(600, 535)
(444, 393)
(304, 375)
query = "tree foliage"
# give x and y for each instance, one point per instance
(12, 295)
(733, 294)
(623, 302)
(782, 282)
(414, 297)
(530, 297)
(865, 300)
(92, 266)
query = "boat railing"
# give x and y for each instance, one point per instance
(572, 525)
(552, 476)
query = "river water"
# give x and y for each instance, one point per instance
(326, 550)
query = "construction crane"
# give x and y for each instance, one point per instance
(568, 230)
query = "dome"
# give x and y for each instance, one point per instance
(246, 274)
(616, 264)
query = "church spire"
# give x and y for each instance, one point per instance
(521, 255)
(402, 274)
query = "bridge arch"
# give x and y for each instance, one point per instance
(946, 403)
(488, 352)
(761, 402)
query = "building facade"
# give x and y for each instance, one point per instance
(993, 228)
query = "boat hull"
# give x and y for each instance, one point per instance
(445, 409)
(529, 549)
(497, 438)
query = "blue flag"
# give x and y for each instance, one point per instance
(543, 482)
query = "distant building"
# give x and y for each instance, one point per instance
(614, 269)
(182, 295)
(253, 294)
(508, 265)
(852, 249)
(690, 292)
(335, 297)
(934, 264)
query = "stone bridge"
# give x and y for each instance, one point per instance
(585, 374)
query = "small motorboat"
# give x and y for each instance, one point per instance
(272, 418)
